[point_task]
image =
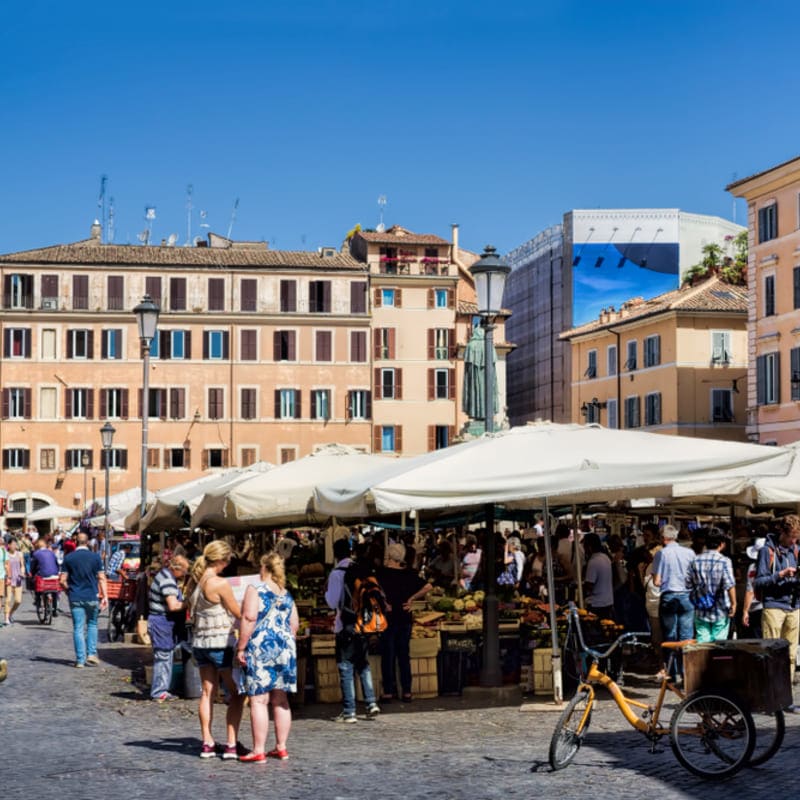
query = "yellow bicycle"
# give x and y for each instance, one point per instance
(711, 733)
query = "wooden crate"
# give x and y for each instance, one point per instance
(323, 644)
(327, 684)
(424, 677)
(542, 671)
(756, 670)
(425, 648)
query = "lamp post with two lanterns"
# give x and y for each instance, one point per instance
(107, 438)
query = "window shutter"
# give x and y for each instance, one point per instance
(69, 344)
(204, 461)
(392, 333)
(181, 403)
(276, 346)
(152, 286)
(451, 384)
(398, 438)
(103, 403)
(68, 403)
(6, 297)
(187, 457)
(431, 384)
(657, 409)
(376, 343)
(277, 404)
(377, 298)
(450, 298)
(292, 349)
(104, 343)
(187, 345)
(123, 459)
(6, 403)
(368, 410)
(378, 385)
(141, 405)
(226, 344)
(124, 404)
(6, 343)
(656, 350)
(777, 376)
(205, 344)
(26, 459)
(398, 298)
(326, 296)
(348, 406)
(164, 344)
(398, 384)
(377, 439)
(248, 290)
(298, 404)
(451, 434)
(431, 298)
(5, 459)
(27, 411)
(313, 404)
(431, 344)
(26, 342)
(216, 294)
(431, 437)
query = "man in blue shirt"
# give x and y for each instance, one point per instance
(83, 578)
(670, 568)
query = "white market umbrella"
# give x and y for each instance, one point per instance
(283, 495)
(170, 507)
(53, 512)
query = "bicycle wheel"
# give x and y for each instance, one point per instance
(770, 730)
(570, 729)
(712, 735)
(39, 603)
(116, 621)
(47, 609)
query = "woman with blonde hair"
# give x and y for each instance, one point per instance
(214, 613)
(268, 657)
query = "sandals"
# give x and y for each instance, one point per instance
(283, 755)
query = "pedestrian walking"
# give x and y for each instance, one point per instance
(15, 572)
(712, 589)
(84, 579)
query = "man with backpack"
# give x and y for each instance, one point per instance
(712, 589)
(775, 586)
(351, 645)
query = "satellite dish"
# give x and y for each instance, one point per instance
(380, 227)
(143, 237)
(173, 237)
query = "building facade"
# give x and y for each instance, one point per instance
(565, 275)
(674, 364)
(773, 275)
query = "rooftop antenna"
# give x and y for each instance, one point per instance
(189, 192)
(203, 217)
(381, 205)
(149, 216)
(101, 204)
(173, 237)
(110, 237)
(233, 217)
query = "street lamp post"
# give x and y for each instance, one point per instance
(107, 438)
(490, 273)
(85, 465)
(147, 318)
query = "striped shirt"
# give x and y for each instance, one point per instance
(164, 585)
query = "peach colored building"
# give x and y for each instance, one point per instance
(773, 275)
(675, 364)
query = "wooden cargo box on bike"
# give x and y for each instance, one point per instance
(756, 670)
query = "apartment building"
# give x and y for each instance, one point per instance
(259, 355)
(673, 364)
(773, 275)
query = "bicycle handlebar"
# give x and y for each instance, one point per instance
(626, 637)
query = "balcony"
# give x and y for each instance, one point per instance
(411, 265)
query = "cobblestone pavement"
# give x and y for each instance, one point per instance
(91, 733)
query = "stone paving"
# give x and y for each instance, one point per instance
(91, 733)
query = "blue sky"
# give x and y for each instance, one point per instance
(499, 116)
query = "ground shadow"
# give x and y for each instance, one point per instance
(64, 662)
(184, 745)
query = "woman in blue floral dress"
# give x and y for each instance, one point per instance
(266, 654)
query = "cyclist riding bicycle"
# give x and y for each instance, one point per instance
(45, 565)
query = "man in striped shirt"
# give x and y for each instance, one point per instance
(710, 576)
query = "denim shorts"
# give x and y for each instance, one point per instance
(217, 657)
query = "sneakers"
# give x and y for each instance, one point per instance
(233, 752)
(93, 660)
(347, 719)
(78, 665)
(283, 755)
(373, 711)
(792, 709)
(164, 697)
(207, 750)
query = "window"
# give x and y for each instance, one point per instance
(768, 223)
(16, 458)
(216, 294)
(248, 294)
(79, 403)
(721, 405)
(768, 379)
(319, 297)
(611, 359)
(324, 346)
(321, 404)
(153, 458)
(48, 402)
(17, 343)
(387, 438)
(176, 344)
(289, 296)
(216, 403)
(592, 412)
(74, 458)
(48, 339)
(358, 404)
(80, 292)
(177, 458)
(796, 287)
(441, 384)
(652, 408)
(17, 403)
(287, 404)
(288, 454)
(111, 344)
(47, 458)
(113, 404)
(384, 343)
(156, 405)
(215, 345)
(152, 288)
(248, 456)
(177, 294)
(630, 363)
(632, 408)
(358, 346)
(439, 436)
(248, 403)
(591, 366)
(177, 403)
(18, 291)
(441, 298)
(117, 458)
(720, 347)
(612, 419)
(652, 351)
(80, 343)
(358, 297)
(769, 296)
(439, 344)
(794, 366)
(155, 346)
(283, 346)
(388, 384)
(116, 293)
(387, 297)
(50, 292)
(249, 345)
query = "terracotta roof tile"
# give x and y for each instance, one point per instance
(397, 235)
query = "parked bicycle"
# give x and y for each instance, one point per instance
(711, 733)
(45, 598)
(121, 608)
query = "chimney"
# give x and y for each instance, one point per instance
(454, 227)
(96, 231)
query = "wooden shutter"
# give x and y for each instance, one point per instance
(103, 403)
(313, 404)
(377, 298)
(124, 404)
(206, 336)
(398, 298)
(398, 384)
(248, 290)
(298, 404)
(431, 343)
(451, 384)
(80, 291)
(398, 438)
(431, 298)
(165, 344)
(378, 384)
(70, 348)
(450, 298)
(26, 342)
(7, 296)
(216, 294)
(226, 345)
(187, 344)
(68, 403)
(6, 343)
(276, 346)
(90, 344)
(376, 343)
(368, 406)
(204, 460)
(392, 333)
(248, 345)
(26, 402)
(326, 296)
(152, 287)
(6, 403)
(431, 437)
(777, 376)
(277, 404)
(348, 406)
(431, 384)
(377, 439)
(50, 286)
(323, 345)
(291, 345)
(451, 344)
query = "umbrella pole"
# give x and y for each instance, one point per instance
(558, 689)
(576, 555)
(491, 674)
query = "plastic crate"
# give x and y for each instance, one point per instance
(46, 584)
(121, 590)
